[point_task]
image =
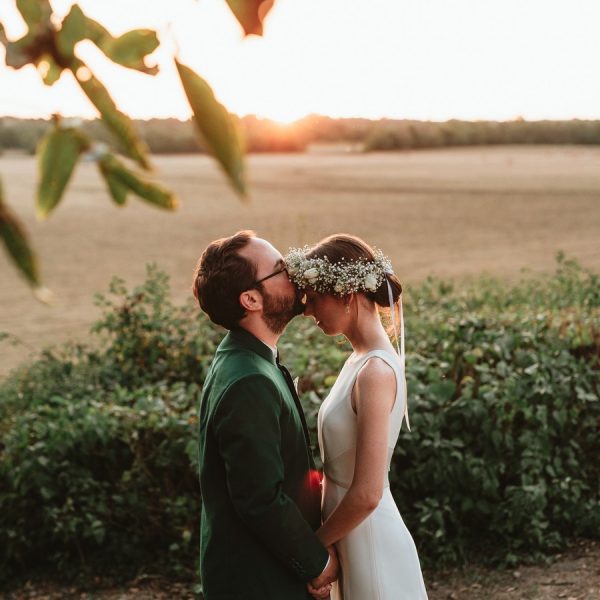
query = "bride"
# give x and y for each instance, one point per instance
(344, 282)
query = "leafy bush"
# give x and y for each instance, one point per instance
(505, 389)
(405, 134)
(98, 452)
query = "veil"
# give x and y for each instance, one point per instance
(399, 348)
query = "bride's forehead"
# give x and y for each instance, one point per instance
(321, 298)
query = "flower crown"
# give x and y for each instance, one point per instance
(341, 278)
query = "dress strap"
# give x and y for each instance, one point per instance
(388, 358)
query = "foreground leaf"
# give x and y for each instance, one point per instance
(17, 245)
(216, 125)
(117, 189)
(49, 70)
(73, 30)
(128, 50)
(34, 12)
(122, 180)
(58, 154)
(18, 53)
(250, 14)
(119, 123)
(35, 43)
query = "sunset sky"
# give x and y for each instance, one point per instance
(422, 59)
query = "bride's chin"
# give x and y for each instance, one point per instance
(327, 331)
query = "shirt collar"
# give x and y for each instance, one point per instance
(272, 348)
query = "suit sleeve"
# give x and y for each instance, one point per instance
(247, 428)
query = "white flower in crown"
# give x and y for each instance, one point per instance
(371, 282)
(311, 275)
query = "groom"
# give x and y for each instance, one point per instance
(260, 490)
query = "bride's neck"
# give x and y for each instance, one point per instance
(367, 333)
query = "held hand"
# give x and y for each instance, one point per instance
(329, 575)
(320, 593)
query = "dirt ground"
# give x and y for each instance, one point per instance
(572, 575)
(453, 213)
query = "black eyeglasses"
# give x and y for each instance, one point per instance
(268, 277)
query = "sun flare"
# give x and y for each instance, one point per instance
(283, 118)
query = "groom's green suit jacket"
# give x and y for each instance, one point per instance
(260, 490)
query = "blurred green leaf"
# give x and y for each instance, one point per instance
(72, 31)
(250, 14)
(18, 53)
(119, 123)
(118, 190)
(15, 240)
(96, 32)
(130, 49)
(444, 390)
(119, 177)
(35, 42)
(49, 70)
(34, 46)
(34, 12)
(216, 125)
(58, 154)
(127, 50)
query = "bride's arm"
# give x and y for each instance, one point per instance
(374, 394)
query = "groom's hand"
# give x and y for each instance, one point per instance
(320, 586)
(321, 593)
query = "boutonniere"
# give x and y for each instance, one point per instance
(296, 380)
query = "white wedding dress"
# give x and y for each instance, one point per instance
(378, 558)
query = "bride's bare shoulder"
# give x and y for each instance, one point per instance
(375, 378)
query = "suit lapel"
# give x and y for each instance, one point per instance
(290, 384)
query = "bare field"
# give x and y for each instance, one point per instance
(454, 213)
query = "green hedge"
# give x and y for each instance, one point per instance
(406, 134)
(98, 450)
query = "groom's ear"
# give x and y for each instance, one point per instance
(251, 300)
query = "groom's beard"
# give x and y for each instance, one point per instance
(279, 311)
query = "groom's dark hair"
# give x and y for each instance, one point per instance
(220, 277)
